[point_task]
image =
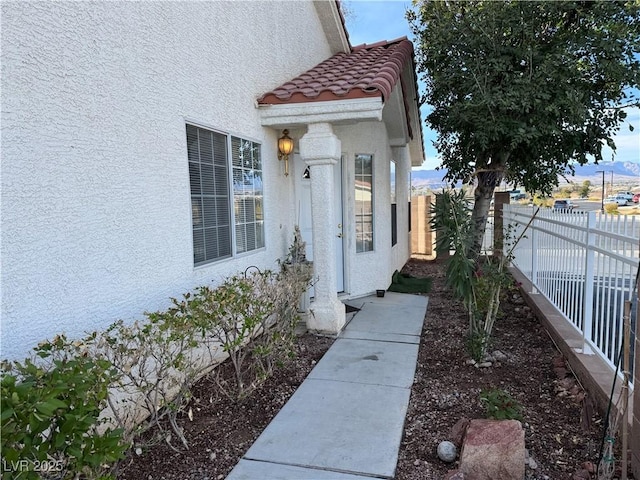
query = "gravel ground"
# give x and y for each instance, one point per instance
(562, 431)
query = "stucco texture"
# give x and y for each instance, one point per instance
(96, 219)
(369, 271)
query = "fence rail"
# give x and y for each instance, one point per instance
(585, 263)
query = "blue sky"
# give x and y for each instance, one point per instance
(370, 21)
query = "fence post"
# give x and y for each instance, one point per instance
(421, 234)
(635, 417)
(534, 256)
(589, 278)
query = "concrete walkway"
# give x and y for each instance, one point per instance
(345, 421)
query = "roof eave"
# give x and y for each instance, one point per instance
(333, 25)
(335, 111)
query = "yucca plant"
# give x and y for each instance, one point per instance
(477, 283)
(451, 220)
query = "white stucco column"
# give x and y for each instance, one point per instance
(321, 149)
(403, 167)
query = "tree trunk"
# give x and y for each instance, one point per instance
(487, 182)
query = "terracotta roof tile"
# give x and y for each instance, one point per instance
(367, 71)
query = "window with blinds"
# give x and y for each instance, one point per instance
(223, 216)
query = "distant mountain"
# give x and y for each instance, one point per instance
(623, 172)
(626, 169)
(431, 179)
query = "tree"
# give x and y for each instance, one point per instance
(523, 90)
(585, 189)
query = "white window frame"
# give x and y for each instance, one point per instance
(259, 243)
(357, 214)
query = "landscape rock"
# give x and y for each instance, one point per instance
(454, 475)
(458, 431)
(566, 383)
(493, 450)
(499, 356)
(558, 361)
(447, 451)
(581, 475)
(561, 372)
(589, 467)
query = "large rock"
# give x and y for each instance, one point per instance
(454, 475)
(457, 432)
(493, 450)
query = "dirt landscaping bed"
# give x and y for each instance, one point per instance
(562, 430)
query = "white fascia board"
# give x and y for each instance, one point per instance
(398, 142)
(417, 157)
(334, 111)
(332, 25)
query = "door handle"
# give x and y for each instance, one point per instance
(339, 235)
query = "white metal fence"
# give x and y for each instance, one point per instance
(487, 240)
(585, 263)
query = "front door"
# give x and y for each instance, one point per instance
(303, 214)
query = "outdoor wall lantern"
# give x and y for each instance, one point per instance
(285, 147)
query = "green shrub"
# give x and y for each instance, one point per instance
(611, 208)
(565, 192)
(477, 343)
(499, 405)
(155, 366)
(257, 317)
(145, 372)
(241, 312)
(585, 189)
(541, 201)
(251, 318)
(451, 220)
(477, 284)
(50, 415)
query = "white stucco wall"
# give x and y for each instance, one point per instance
(402, 250)
(95, 212)
(368, 271)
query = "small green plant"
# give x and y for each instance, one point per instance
(257, 320)
(477, 343)
(51, 405)
(499, 405)
(452, 222)
(611, 208)
(297, 249)
(488, 281)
